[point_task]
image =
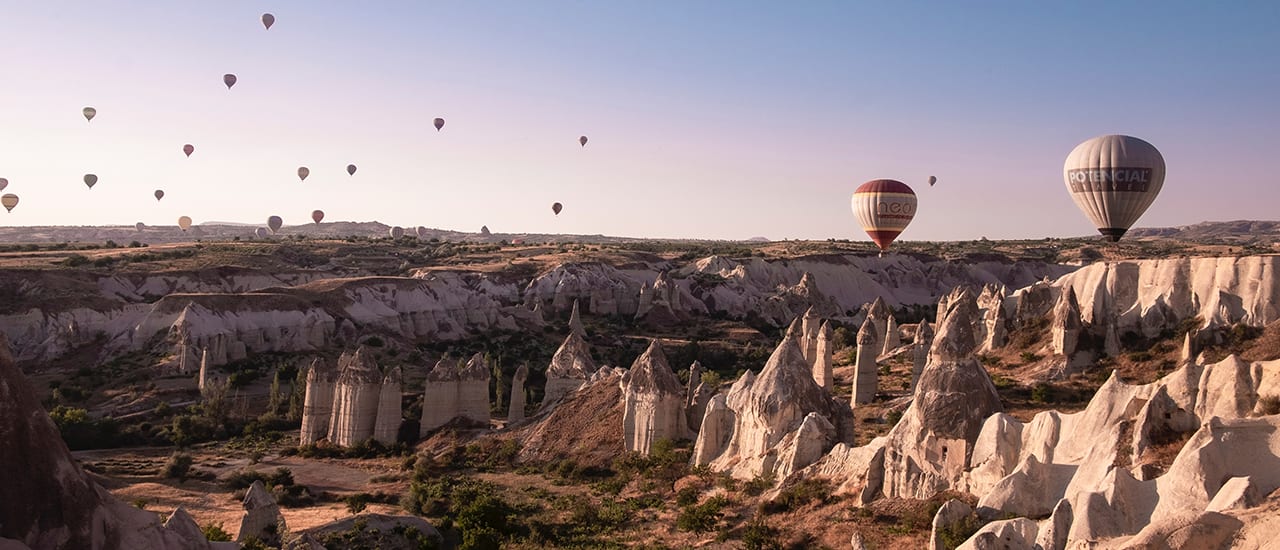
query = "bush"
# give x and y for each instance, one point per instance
(1269, 405)
(702, 518)
(215, 533)
(757, 535)
(1042, 393)
(687, 496)
(356, 503)
(798, 495)
(178, 466)
(245, 478)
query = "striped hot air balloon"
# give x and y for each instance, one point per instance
(885, 208)
(1114, 179)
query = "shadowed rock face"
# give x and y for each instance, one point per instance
(46, 500)
(654, 402)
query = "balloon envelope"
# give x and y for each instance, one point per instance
(317, 215)
(159, 194)
(9, 201)
(421, 232)
(1113, 179)
(582, 140)
(351, 169)
(884, 208)
(268, 20)
(188, 149)
(933, 180)
(557, 207)
(90, 180)
(184, 223)
(274, 223)
(89, 113)
(3, 183)
(396, 232)
(140, 226)
(439, 122)
(260, 232)
(229, 79)
(303, 172)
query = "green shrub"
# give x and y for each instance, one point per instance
(757, 535)
(1269, 405)
(687, 496)
(215, 533)
(702, 518)
(798, 495)
(178, 466)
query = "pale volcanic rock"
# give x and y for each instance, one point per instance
(609, 291)
(715, 430)
(570, 368)
(48, 501)
(440, 395)
(386, 427)
(950, 514)
(823, 352)
(996, 324)
(654, 402)
(355, 399)
(575, 321)
(769, 408)
(181, 523)
(802, 447)
(930, 448)
(866, 374)
(515, 411)
(473, 390)
(880, 314)
(810, 324)
(1009, 534)
(920, 350)
(317, 404)
(1065, 330)
(892, 337)
(261, 514)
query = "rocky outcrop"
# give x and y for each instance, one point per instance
(892, 339)
(456, 390)
(386, 428)
(356, 395)
(821, 363)
(515, 411)
(570, 368)
(930, 448)
(920, 350)
(46, 500)
(866, 374)
(262, 519)
(473, 390)
(772, 429)
(575, 322)
(653, 401)
(317, 405)
(1065, 330)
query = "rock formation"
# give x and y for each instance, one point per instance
(654, 402)
(866, 375)
(473, 390)
(48, 500)
(821, 362)
(355, 399)
(920, 350)
(929, 450)
(456, 390)
(317, 406)
(891, 337)
(810, 325)
(262, 518)
(773, 424)
(386, 427)
(570, 368)
(575, 321)
(515, 413)
(1065, 331)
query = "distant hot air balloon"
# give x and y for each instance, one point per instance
(90, 180)
(317, 215)
(188, 149)
(229, 79)
(303, 172)
(396, 232)
(582, 140)
(274, 223)
(351, 169)
(184, 223)
(439, 122)
(933, 180)
(268, 20)
(1114, 179)
(484, 230)
(159, 194)
(260, 232)
(9, 201)
(140, 226)
(884, 207)
(89, 113)
(3, 183)
(421, 232)
(557, 207)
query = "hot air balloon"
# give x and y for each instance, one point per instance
(396, 232)
(439, 122)
(1113, 179)
(90, 180)
(188, 149)
(421, 232)
(3, 183)
(317, 215)
(89, 113)
(933, 180)
(268, 20)
(140, 226)
(184, 223)
(351, 169)
(884, 207)
(9, 201)
(557, 207)
(303, 172)
(274, 223)
(159, 194)
(260, 232)
(229, 79)
(582, 140)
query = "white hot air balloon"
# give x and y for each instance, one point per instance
(884, 208)
(184, 223)
(1114, 179)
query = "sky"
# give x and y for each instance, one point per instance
(707, 119)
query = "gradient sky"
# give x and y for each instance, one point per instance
(707, 119)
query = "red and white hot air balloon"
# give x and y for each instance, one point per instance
(884, 208)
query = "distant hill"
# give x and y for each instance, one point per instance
(1237, 231)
